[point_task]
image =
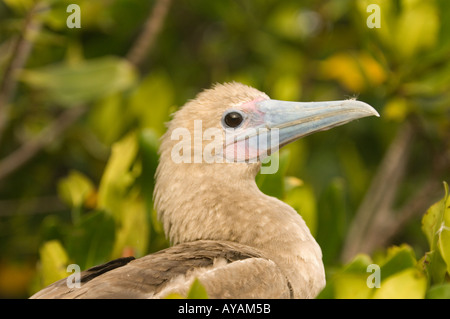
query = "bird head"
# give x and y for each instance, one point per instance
(212, 152)
(235, 123)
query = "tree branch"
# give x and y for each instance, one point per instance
(19, 56)
(30, 148)
(376, 205)
(382, 233)
(31, 206)
(152, 27)
(141, 47)
(376, 221)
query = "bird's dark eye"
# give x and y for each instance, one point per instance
(233, 119)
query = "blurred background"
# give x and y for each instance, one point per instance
(82, 110)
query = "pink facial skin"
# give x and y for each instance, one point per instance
(256, 116)
(246, 149)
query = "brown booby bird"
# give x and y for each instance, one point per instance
(237, 241)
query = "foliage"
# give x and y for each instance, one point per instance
(85, 195)
(196, 291)
(401, 274)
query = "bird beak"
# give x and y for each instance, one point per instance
(295, 119)
(271, 124)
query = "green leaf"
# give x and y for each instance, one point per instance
(434, 266)
(439, 292)
(197, 291)
(120, 196)
(431, 84)
(387, 17)
(355, 71)
(174, 296)
(444, 233)
(303, 200)
(407, 284)
(133, 231)
(151, 101)
(396, 109)
(118, 176)
(433, 219)
(358, 264)
(93, 15)
(355, 168)
(284, 21)
(287, 87)
(75, 188)
(109, 109)
(19, 6)
(148, 146)
(54, 261)
(435, 225)
(352, 286)
(349, 281)
(398, 258)
(91, 240)
(407, 26)
(399, 277)
(332, 223)
(273, 184)
(89, 80)
(417, 27)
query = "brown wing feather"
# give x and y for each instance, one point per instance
(146, 276)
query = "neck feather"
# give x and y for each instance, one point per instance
(223, 202)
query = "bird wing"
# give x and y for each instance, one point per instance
(225, 269)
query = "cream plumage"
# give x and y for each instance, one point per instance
(239, 242)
